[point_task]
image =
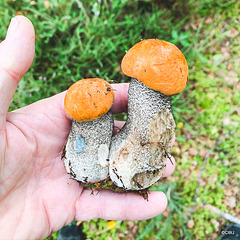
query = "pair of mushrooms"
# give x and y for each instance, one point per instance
(135, 158)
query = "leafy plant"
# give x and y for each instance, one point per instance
(175, 221)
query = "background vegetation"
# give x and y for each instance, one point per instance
(78, 39)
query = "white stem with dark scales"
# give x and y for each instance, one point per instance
(139, 151)
(87, 149)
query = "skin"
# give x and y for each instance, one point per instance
(37, 197)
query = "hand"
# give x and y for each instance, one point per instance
(37, 196)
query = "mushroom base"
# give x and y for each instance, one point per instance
(107, 184)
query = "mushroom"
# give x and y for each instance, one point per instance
(86, 152)
(139, 151)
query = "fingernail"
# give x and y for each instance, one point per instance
(12, 28)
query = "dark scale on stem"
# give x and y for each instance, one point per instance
(63, 153)
(85, 179)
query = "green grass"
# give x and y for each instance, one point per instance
(78, 39)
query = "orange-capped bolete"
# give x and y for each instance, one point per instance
(86, 154)
(139, 151)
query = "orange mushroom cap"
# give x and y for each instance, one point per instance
(159, 65)
(88, 99)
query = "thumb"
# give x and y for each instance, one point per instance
(16, 56)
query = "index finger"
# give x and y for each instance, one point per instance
(120, 97)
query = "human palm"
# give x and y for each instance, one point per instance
(37, 196)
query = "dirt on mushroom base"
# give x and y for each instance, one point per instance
(107, 184)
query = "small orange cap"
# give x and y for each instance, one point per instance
(159, 65)
(88, 99)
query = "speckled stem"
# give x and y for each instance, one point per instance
(138, 152)
(87, 149)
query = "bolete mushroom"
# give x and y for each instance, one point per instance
(88, 102)
(139, 151)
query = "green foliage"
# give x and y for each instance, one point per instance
(79, 39)
(174, 224)
(98, 229)
(203, 225)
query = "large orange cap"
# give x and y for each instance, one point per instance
(88, 99)
(159, 65)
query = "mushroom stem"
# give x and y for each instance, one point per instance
(139, 151)
(87, 149)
